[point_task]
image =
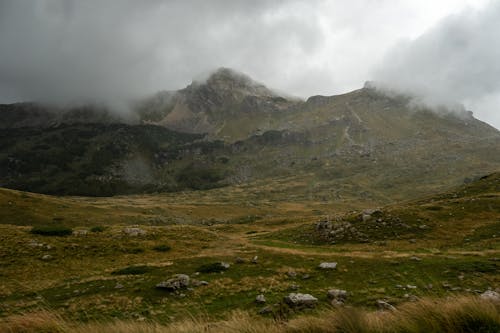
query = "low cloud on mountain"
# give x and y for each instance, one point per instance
(110, 51)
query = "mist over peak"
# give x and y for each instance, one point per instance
(452, 66)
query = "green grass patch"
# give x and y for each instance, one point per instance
(98, 228)
(133, 270)
(162, 248)
(52, 231)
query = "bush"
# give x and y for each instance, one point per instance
(133, 250)
(98, 228)
(162, 248)
(213, 267)
(52, 231)
(132, 270)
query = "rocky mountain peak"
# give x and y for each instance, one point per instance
(228, 81)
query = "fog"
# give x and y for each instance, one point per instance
(457, 61)
(65, 51)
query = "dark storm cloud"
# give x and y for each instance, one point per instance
(62, 50)
(456, 61)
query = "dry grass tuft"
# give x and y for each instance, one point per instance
(450, 315)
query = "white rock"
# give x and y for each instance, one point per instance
(328, 265)
(383, 305)
(134, 232)
(260, 299)
(490, 295)
(296, 299)
(337, 294)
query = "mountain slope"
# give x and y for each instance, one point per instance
(362, 145)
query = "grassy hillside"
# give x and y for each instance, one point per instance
(111, 271)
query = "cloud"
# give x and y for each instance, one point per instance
(63, 50)
(454, 62)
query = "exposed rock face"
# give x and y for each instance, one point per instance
(300, 300)
(178, 281)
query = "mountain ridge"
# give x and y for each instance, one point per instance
(359, 144)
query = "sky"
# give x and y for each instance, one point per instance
(110, 51)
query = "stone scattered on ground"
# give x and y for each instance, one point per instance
(46, 257)
(198, 283)
(328, 265)
(134, 232)
(260, 299)
(176, 282)
(255, 259)
(300, 300)
(490, 295)
(383, 305)
(337, 294)
(266, 310)
(239, 260)
(81, 232)
(119, 286)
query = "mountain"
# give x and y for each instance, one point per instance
(230, 130)
(228, 105)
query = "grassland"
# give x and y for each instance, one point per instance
(103, 272)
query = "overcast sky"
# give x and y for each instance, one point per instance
(63, 50)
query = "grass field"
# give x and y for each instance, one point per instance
(122, 247)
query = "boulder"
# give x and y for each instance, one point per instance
(383, 305)
(490, 295)
(328, 265)
(134, 232)
(176, 282)
(337, 294)
(298, 300)
(260, 299)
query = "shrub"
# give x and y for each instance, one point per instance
(132, 270)
(215, 267)
(133, 250)
(52, 231)
(98, 228)
(162, 248)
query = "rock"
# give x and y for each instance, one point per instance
(46, 257)
(306, 276)
(239, 260)
(383, 305)
(366, 217)
(119, 286)
(328, 265)
(82, 232)
(266, 310)
(178, 281)
(255, 259)
(260, 299)
(291, 274)
(336, 303)
(323, 225)
(409, 286)
(337, 295)
(490, 295)
(197, 283)
(296, 299)
(293, 287)
(134, 232)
